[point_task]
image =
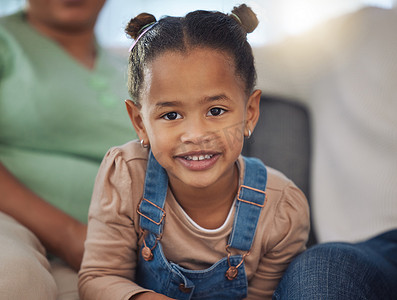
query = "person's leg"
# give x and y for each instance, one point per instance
(383, 252)
(66, 279)
(24, 268)
(343, 271)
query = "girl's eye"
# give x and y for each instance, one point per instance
(216, 111)
(171, 116)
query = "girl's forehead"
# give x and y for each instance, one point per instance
(191, 75)
(187, 65)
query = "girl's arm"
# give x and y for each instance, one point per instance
(60, 234)
(111, 248)
(286, 239)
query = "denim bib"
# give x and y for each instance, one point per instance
(226, 279)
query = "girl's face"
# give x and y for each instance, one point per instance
(194, 114)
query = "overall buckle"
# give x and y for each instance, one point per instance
(240, 190)
(143, 215)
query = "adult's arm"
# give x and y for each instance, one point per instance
(60, 234)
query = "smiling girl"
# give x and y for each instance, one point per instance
(181, 214)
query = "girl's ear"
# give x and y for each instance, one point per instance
(252, 112)
(136, 119)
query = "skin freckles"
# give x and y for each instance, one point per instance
(194, 113)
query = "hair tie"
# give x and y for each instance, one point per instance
(236, 17)
(143, 30)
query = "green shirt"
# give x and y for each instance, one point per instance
(57, 118)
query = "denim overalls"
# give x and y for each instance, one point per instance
(226, 279)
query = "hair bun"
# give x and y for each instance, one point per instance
(136, 24)
(246, 17)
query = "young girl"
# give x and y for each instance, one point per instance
(181, 214)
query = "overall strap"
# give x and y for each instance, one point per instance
(151, 207)
(251, 199)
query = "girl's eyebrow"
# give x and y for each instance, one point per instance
(162, 104)
(221, 97)
(168, 104)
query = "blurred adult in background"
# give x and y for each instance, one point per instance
(61, 108)
(345, 71)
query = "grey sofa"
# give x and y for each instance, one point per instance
(282, 140)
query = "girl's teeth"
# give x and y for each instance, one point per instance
(201, 157)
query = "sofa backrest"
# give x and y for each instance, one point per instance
(282, 140)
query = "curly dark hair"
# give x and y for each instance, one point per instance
(198, 29)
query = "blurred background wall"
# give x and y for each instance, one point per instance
(278, 18)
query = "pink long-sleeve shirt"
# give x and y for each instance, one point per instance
(112, 245)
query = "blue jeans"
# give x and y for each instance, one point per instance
(366, 270)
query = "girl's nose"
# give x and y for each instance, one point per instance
(195, 131)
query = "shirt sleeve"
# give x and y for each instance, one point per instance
(110, 257)
(287, 238)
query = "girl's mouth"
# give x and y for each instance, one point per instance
(198, 162)
(199, 157)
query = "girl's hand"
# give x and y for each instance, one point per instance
(149, 296)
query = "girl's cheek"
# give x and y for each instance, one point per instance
(234, 135)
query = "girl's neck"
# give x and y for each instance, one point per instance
(208, 207)
(81, 45)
